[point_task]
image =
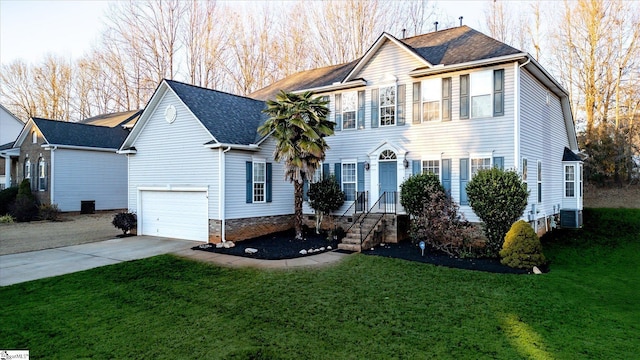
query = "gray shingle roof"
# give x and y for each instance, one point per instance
(113, 119)
(231, 119)
(447, 47)
(569, 155)
(76, 134)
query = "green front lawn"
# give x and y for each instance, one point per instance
(366, 307)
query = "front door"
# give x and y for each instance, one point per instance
(388, 183)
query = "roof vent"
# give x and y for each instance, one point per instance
(460, 18)
(404, 32)
(436, 25)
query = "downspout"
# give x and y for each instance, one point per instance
(53, 166)
(221, 191)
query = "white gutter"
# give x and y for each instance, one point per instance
(127, 152)
(334, 86)
(221, 191)
(467, 65)
(73, 147)
(516, 120)
(252, 147)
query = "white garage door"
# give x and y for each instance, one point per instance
(174, 214)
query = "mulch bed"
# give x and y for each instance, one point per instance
(277, 246)
(283, 245)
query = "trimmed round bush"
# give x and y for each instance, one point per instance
(418, 190)
(499, 198)
(522, 248)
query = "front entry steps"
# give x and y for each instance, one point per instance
(352, 242)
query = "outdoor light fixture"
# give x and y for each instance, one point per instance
(366, 166)
(405, 162)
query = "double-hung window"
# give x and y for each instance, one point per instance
(388, 106)
(259, 182)
(431, 97)
(478, 164)
(27, 169)
(481, 88)
(349, 180)
(42, 175)
(349, 110)
(569, 181)
(431, 166)
(539, 181)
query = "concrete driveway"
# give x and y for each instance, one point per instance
(22, 267)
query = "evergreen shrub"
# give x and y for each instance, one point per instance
(522, 248)
(125, 221)
(498, 197)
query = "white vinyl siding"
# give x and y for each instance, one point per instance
(543, 137)
(172, 154)
(235, 185)
(81, 175)
(453, 139)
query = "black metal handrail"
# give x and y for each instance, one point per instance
(360, 202)
(383, 203)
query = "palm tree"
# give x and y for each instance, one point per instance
(299, 124)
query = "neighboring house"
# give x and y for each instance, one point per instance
(73, 164)
(125, 119)
(10, 127)
(450, 102)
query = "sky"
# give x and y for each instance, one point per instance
(29, 29)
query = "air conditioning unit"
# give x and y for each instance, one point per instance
(571, 219)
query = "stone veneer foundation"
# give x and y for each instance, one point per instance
(247, 228)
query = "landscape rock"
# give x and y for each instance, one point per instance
(536, 270)
(250, 250)
(219, 245)
(322, 248)
(303, 252)
(228, 244)
(329, 247)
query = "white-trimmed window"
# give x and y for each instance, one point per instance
(479, 163)
(481, 88)
(259, 181)
(388, 105)
(349, 110)
(539, 181)
(349, 180)
(34, 137)
(431, 166)
(569, 181)
(317, 175)
(27, 169)
(42, 175)
(431, 99)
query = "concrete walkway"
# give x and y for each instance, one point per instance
(22, 267)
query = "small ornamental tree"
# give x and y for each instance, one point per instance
(25, 207)
(325, 197)
(125, 221)
(434, 216)
(499, 198)
(522, 248)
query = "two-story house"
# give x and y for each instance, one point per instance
(450, 102)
